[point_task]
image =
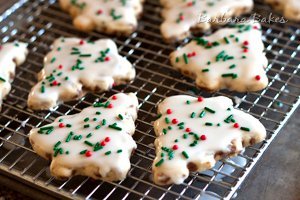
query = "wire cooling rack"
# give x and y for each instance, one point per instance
(39, 22)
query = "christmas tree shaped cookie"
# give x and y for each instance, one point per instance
(108, 16)
(290, 8)
(193, 133)
(181, 17)
(232, 58)
(11, 55)
(74, 65)
(96, 142)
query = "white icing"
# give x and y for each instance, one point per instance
(95, 76)
(111, 167)
(290, 8)
(246, 69)
(11, 54)
(99, 13)
(218, 138)
(209, 10)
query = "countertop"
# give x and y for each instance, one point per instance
(274, 177)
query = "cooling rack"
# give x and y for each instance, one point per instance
(39, 22)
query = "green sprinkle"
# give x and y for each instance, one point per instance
(176, 140)
(120, 151)
(208, 63)
(43, 89)
(97, 127)
(185, 136)
(88, 143)
(120, 117)
(232, 66)
(202, 114)
(83, 152)
(193, 115)
(107, 153)
(245, 129)
(85, 55)
(209, 110)
(89, 135)
(185, 58)
(164, 131)
(208, 124)
(57, 144)
(181, 124)
(167, 120)
(228, 119)
(69, 137)
(114, 126)
(68, 125)
(188, 102)
(185, 154)
(2, 79)
(77, 137)
(59, 48)
(97, 147)
(53, 60)
(226, 40)
(205, 70)
(232, 75)
(86, 126)
(98, 113)
(104, 122)
(159, 163)
(86, 119)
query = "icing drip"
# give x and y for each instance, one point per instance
(73, 64)
(11, 54)
(96, 142)
(232, 58)
(192, 133)
(182, 15)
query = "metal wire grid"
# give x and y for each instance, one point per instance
(40, 22)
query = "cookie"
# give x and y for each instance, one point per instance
(74, 65)
(290, 8)
(96, 142)
(11, 55)
(193, 133)
(231, 58)
(108, 16)
(182, 17)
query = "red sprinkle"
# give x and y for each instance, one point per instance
(55, 83)
(60, 67)
(236, 125)
(190, 4)
(114, 84)
(181, 17)
(114, 97)
(200, 99)
(169, 111)
(255, 27)
(257, 77)
(107, 58)
(188, 130)
(107, 139)
(175, 147)
(174, 121)
(246, 43)
(203, 137)
(61, 125)
(88, 153)
(103, 143)
(81, 42)
(110, 106)
(99, 12)
(245, 50)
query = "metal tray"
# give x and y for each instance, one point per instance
(39, 22)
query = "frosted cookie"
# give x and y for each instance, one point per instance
(194, 133)
(290, 8)
(181, 17)
(74, 65)
(96, 142)
(108, 16)
(11, 55)
(232, 58)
